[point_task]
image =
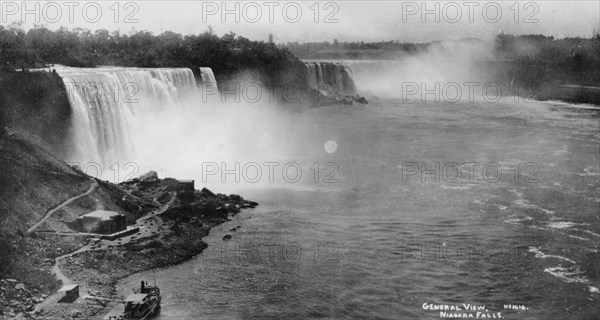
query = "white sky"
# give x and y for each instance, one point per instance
(356, 20)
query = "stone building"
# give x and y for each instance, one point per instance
(101, 221)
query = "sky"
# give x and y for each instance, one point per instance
(316, 21)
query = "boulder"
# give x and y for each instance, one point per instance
(137, 193)
(185, 196)
(249, 204)
(362, 100)
(207, 192)
(221, 210)
(164, 197)
(150, 175)
(236, 197)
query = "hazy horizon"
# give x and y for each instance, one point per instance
(345, 21)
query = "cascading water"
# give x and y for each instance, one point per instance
(209, 84)
(109, 103)
(208, 77)
(332, 79)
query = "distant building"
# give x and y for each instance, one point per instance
(100, 221)
(271, 38)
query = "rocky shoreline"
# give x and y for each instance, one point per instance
(170, 234)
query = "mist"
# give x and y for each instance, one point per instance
(226, 142)
(445, 68)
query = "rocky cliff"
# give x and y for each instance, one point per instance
(35, 104)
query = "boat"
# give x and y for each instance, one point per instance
(142, 304)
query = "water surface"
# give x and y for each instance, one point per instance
(379, 243)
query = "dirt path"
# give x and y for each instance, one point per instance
(149, 225)
(62, 205)
(58, 273)
(54, 298)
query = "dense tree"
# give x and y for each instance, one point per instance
(13, 50)
(226, 55)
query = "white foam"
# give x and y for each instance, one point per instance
(589, 171)
(563, 233)
(567, 275)
(457, 187)
(576, 237)
(514, 220)
(523, 203)
(561, 224)
(584, 106)
(540, 255)
(592, 233)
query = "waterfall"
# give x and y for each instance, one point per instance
(109, 103)
(209, 84)
(332, 79)
(208, 77)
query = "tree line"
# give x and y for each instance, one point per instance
(226, 55)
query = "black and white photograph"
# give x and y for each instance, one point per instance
(308, 159)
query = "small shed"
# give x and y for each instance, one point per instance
(71, 292)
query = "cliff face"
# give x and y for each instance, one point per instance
(35, 104)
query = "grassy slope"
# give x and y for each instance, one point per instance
(33, 180)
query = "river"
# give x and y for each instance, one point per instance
(415, 205)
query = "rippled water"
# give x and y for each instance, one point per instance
(380, 243)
